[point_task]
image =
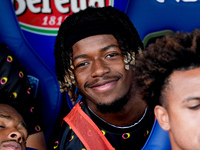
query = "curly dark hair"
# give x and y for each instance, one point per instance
(180, 51)
(128, 42)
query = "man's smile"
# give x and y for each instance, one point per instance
(104, 86)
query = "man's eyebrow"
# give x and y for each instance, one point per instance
(191, 98)
(5, 117)
(10, 118)
(103, 49)
(79, 56)
(108, 47)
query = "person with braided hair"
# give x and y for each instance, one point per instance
(168, 74)
(95, 52)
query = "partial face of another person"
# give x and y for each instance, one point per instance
(182, 116)
(99, 69)
(13, 132)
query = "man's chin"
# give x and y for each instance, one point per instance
(112, 107)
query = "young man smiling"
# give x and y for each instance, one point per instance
(100, 74)
(95, 51)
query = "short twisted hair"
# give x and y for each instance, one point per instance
(180, 51)
(129, 41)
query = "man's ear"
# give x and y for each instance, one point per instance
(162, 117)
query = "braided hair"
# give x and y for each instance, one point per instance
(105, 20)
(180, 51)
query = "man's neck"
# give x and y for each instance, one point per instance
(131, 113)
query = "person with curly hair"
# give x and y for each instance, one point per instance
(168, 74)
(95, 54)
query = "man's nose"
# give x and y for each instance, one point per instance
(16, 135)
(99, 68)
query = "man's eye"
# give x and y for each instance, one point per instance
(112, 55)
(81, 64)
(1, 126)
(194, 107)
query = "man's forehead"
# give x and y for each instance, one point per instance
(12, 116)
(7, 112)
(184, 84)
(4, 108)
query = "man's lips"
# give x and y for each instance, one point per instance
(104, 85)
(12, 146)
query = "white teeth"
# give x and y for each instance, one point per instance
(13, 147)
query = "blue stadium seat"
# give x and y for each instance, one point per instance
(151, 16)
(49, 95)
